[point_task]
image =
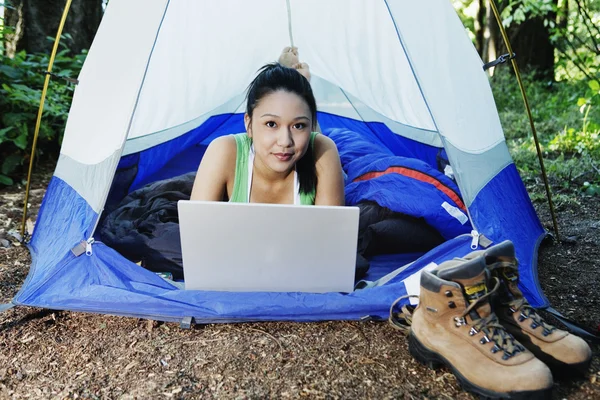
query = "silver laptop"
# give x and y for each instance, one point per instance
(269, 248)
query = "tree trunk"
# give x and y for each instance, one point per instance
(40, 19)
(480, 26)
(13, 18)
(492, 34)
(531, 43)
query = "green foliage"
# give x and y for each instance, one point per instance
(586, 139)
(517, 11)
(573, 25)
(574, 31)
(553, 105)
(21, 82)
(573, 141)
(567, 128)
(465, 10)
(591, 189)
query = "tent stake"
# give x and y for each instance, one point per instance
(41, 110)
(535, 137)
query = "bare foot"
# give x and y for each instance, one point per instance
(289, 57)
(303, 69)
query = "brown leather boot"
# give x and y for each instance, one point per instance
(564, 353)
(455, 326)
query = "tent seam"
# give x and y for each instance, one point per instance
(498, 171)
(231, 114)
(384, 116)
(186, 122)
(135, 106)
(358, 113)
(411, 67)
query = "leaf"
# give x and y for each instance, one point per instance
(10, 72)
(519, 15)
(581, 101)
(4, 131)
(594, 85)
(21, 87)
(16, 119)
(5, 180)
(11, 163)
(21, 141)
(591, 190)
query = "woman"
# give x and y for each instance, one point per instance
(279, 159)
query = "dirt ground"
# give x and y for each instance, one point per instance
(58, 355)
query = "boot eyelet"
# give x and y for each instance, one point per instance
(459, 321)
(484, 340)
(495, 349)
(512, 310)
(451, 304)
(448, 293)
(534, 325)
(473, 332)
(506, 356)
(522, 317)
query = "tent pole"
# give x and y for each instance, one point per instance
(40, 111)
(535, 137)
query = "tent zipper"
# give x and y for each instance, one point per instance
(475, 240)
(478, 238)
(85, 246)
(88, 246)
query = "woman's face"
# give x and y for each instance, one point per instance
(280, 130)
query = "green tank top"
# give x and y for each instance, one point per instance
(242, 180)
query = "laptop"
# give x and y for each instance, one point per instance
(249, 247)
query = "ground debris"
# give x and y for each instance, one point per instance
(67, 355)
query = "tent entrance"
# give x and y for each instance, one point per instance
(140, 216)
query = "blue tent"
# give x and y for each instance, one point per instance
(401, 76)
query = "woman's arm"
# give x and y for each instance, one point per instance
(330, 178)
(211, 180)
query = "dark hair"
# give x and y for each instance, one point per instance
(271, 78)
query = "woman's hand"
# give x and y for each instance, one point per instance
(330, 178)
(215, 170)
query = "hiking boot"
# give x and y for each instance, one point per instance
(564, 353)
(454, 325)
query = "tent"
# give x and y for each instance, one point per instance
(165, 77)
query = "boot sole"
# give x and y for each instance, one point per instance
(434, 360)
(560, 370)
(564, 371)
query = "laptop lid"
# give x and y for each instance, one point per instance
(266, 247)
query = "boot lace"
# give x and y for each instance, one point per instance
(490, 325)
(528, 312)
(492, 329)
(403, 319)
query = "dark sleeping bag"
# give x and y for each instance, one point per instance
(145, 225)
(382, 231)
